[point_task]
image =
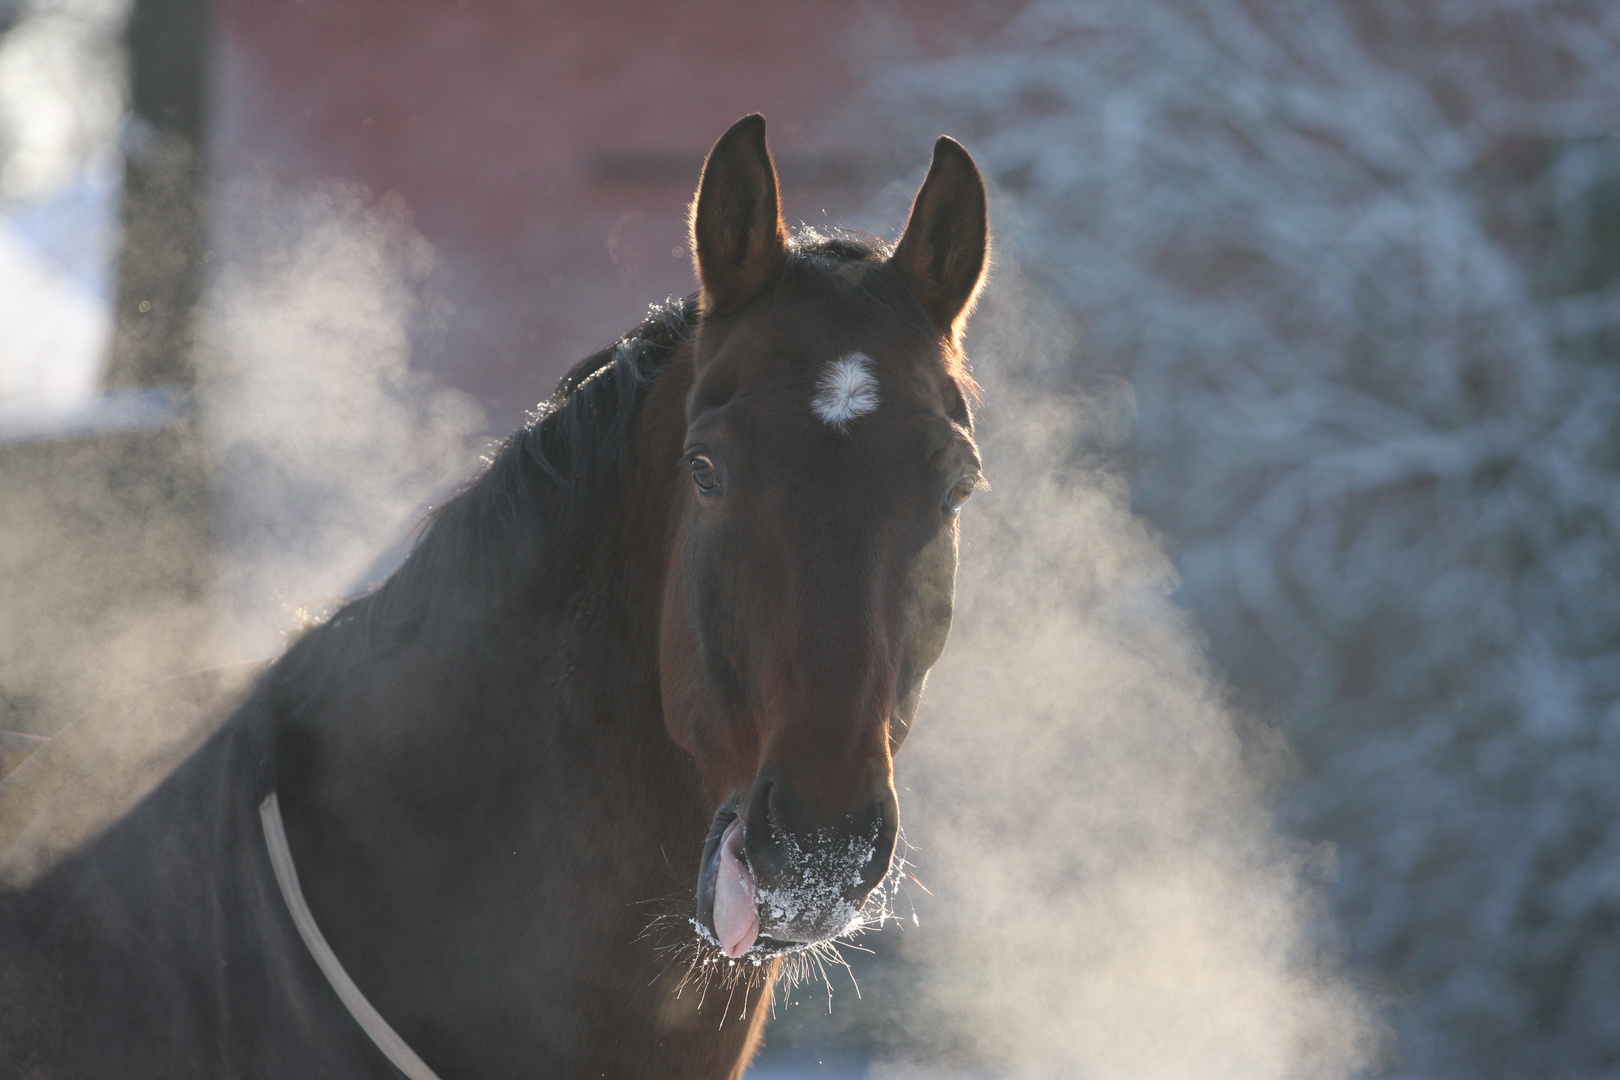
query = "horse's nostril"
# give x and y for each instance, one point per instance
(785, 841)
(763, 832)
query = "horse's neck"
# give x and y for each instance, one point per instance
(496, 758)
(477, 702)
(565, 664)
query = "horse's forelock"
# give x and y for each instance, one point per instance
(857, 265)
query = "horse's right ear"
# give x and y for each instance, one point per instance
(738, 240)
(946, 243)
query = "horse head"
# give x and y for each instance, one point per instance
(828, 449)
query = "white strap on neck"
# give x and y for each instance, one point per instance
(386, 1038)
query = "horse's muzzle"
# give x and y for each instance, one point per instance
(774, 879)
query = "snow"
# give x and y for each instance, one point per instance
(62, 105)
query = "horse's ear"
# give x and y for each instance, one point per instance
(945, 246)
(738, 240)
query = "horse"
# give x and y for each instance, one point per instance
(618, 733)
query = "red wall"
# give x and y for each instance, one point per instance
(548, 150)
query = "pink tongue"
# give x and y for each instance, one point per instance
(736, 911)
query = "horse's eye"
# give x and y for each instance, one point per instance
(703, 472)
(960, 493)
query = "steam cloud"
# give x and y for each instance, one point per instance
(1111, 894)
(327, 443)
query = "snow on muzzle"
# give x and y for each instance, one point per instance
(766, 888)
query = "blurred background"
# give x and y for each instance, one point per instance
(1280, 733)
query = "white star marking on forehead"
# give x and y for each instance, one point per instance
(847, 389)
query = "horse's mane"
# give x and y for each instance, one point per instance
(544, 479)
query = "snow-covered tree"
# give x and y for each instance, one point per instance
(1359, 262)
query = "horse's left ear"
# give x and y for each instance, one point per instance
(738, 240)
(945, 246)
